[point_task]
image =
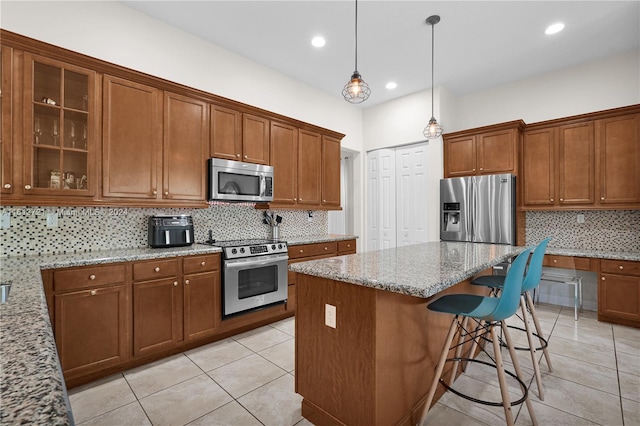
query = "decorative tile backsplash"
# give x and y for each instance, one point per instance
(101, 228)
(607, 230)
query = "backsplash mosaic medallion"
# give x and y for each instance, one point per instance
(83, 229)
(606, 230)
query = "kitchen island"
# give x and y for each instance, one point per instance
(366, 345)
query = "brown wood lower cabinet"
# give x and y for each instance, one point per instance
(92, 329)
(201, 305)
(619, 292)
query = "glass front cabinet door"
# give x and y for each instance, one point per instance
(59, 121)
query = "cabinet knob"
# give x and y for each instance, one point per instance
(551, 199)
(295, 199)
(602, 278)
(481, 168)
(561, 199)
(92, 277)
(473, 170)
(166, 193)
(324, 201)
(27, 187)
(326, 248)
(246, 156)
(7, 186)
(186, 281)
(621, 267)
(301, 251)
(555, 260)
(93, 292)
(237, 155)
(154, 192)
(203, 263)
(300, 199)
(602, 198)
(157, 269)
(175, 283)
(349, 245)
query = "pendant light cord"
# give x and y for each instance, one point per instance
(356, 26)
(432, 66)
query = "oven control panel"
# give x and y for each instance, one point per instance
(251, 250)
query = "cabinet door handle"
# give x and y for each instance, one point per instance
(27, 187)
(203, 263)
(295, 199)
(561, 199)
(349, 245)
(621, 267)
(93, 292)
(324, 201)
(602, 198)
(92, 277)
(7, 186)
(481, 168)
(602, 278)
(326, 248)
(154, 192)
(473, 170)
(551, 200)
(301, 251)
(166, 193)
(555, 260)
(237, 155)
(175, 283)
(157, 269)
(246, 156)
(186, 281)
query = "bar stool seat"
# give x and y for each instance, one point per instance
(490, 311)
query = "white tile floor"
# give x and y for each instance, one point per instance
(248, 380)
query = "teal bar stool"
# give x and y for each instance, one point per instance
(488, 312)
(531, 282)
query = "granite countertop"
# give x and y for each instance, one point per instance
(31, 386)
(595, 254)
(420, 270)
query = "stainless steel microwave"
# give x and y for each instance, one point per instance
(238, 181)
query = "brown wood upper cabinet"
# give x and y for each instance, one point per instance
(239, 136)
(618, 154)
(186, 136)
(582, 163)
(309, 168)
(6, 139)
(558, 165)
(485, 150)
(131, 139)
(59, 111)
(284, 159)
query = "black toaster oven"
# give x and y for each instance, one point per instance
(170, 231)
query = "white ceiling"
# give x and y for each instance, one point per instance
(478, 44)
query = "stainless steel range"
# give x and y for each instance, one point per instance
(254, 274)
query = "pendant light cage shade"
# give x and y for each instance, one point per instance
(434, 129)
(356, 90)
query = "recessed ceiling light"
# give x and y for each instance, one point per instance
(554, 28)
(318, 41)
(391, 85)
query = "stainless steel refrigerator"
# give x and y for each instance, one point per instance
(480, 209)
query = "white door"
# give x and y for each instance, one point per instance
(412, 195)
(381, 200)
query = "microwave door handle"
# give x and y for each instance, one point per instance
(263, 185)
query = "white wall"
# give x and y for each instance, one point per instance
(115, 33)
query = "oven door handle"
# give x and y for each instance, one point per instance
(244, 263)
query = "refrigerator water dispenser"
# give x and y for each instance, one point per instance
(451, 212)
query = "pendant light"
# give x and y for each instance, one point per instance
(356, 90)
(433, 129)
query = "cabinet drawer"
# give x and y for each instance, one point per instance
(347, 247)
(205, 263)
(567, 262)
(71, 279)
(317, 249)
(154, 269)
(620, 267)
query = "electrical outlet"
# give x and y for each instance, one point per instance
(52, 220)
(580, 218)
(310, 216)
(330, 315)
(5, 221)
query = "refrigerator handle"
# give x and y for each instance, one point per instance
(472, 211)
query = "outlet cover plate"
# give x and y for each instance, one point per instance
(330, 316)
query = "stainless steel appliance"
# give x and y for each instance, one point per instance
(479, 209)
(170, 231)
(237, 181)
(254, 274)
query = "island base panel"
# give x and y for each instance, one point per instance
(376, 366)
